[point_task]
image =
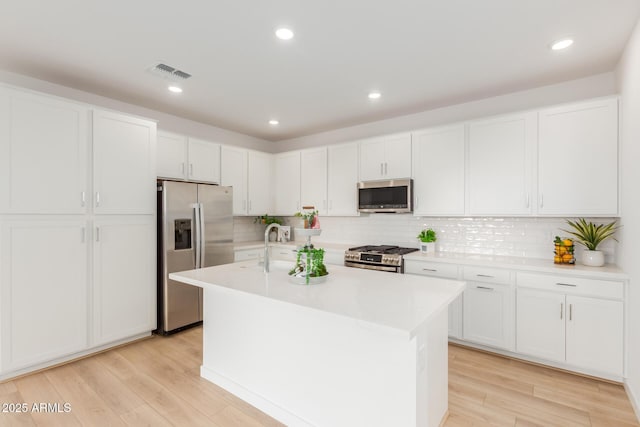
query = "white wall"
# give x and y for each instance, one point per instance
(574, 90)
(628, 73)
(166, 122)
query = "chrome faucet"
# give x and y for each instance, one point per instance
(266, 245)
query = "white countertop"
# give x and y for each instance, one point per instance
(608, 271)
(341, 247)
(402, 302)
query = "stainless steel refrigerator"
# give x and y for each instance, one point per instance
(195, 230)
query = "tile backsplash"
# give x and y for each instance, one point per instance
(512, 236)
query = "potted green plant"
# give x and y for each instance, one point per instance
(591, 235)
(427, 239)
(308, 215)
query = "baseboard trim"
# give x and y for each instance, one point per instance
(635, 403)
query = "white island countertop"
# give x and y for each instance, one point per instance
(402, 302)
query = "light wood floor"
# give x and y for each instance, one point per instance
(156, 382)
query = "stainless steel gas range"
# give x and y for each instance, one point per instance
(383, 258)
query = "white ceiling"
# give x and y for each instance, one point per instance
(420, 54)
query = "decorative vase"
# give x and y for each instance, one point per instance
(428, 247)
(593, 258)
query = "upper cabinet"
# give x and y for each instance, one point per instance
(578, 159)
(313, 179)
(438, 171)
(185, 158)
(43, 154)
(500, 165)
(259, 183)
(386, 157)
(342, 180)
(286, 172)
(233, 173)
(124, 167)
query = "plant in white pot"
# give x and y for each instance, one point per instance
(591, 235)
(427, 240)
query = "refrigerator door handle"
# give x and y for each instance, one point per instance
(196, 237)
(201, 237)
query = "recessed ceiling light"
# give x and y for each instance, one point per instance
(175, 89)
(374, 95)
(561, 44)
(284, 33)
(274, 122)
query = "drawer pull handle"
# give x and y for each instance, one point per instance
(484, 287)
(429, 269)
(484, 275)
(566, 284)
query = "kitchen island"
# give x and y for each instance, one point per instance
(365, 348)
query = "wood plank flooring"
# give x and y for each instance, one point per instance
(156, 382)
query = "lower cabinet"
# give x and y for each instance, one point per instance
(124, 302)
(579, 322)
(44, 292)
(56, 303)
(446, 271)
(488, 315)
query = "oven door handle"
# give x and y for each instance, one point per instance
(372, 267)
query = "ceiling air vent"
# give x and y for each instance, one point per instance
(167, 71)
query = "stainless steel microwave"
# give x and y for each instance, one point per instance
(389, 196)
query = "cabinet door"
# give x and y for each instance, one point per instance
(578, 159)
(501, 153)
(44, 301)
(372, 159)
(171, 156)
(233, 172)
(124, 172)
(540, 324)
(342, 180)
(43, 154)
(204, 161)
(313, 179)
(286, 171)
(124, 286)
(488, 314)
(438, 171)
(397, 162)
(595, 334)
(259, 184)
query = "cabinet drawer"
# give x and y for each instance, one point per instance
(247, 254)
(572, 285)
(285, 253)
(487, 275)
(435, 269)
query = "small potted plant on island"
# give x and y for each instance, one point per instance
(591, 235)
(427, 240)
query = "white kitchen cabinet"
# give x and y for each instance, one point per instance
(43, 154)
(233, 172)
(286, 185)
(439, 171)
(385, 157)
(248, 254)
(186, 158)
(259, 183)
(342, 180)
(540, 324)
(124, 171)
(501, 160)
(124, 285)
(447, 271)
(44, 289)
(172, 156)
(488, 307)
(313, 179)
(578, 159)
(204, 161)
(572, 320)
